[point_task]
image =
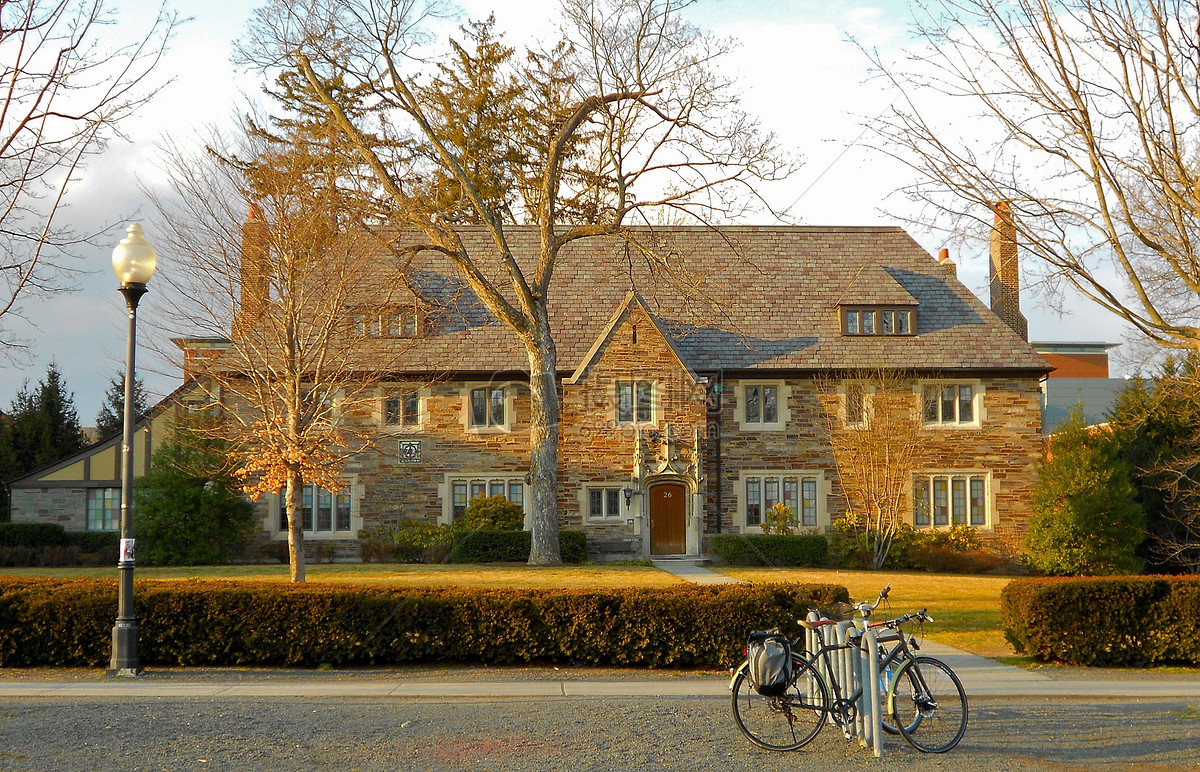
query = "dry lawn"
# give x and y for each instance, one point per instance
(965, 609)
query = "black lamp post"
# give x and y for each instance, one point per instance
(134, 262)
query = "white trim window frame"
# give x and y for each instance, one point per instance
(460, 489)
(488, 407)
(103, 509)
(601, 502)
(635, 401)
(945, 498)
(803, 490)
(402, 408)
(762, 406)
(855, 407)
(952, 404)
(325, 515)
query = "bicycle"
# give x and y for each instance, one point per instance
(923, 694)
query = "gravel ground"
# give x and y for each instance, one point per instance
(578, 734)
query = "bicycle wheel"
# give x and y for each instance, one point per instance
(928, 705)
(786, 722)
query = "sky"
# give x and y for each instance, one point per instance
(798, 70)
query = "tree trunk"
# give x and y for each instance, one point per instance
(295, 525)
(543, 446)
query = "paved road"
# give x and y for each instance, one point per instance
(584, 733)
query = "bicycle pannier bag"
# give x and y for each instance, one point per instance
(770, 657)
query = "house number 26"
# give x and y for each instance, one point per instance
(666, 494)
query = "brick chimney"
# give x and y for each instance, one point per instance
(255, 250)
(1005, 272)
(943, 259)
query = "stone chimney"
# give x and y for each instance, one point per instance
(943, 259)
(253, 279)
(1005, 272)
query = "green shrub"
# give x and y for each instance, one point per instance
(68, 623)
(491, 513)
(808, 549)
(409, 541)
(511, 546)
(779, 519)
(33, 535)
(1127, 621)
(96, 542)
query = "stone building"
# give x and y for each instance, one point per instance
(695, 390)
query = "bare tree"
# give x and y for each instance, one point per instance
(63, 98)
(874, 424)
(286, 297)
(1088, 125)
(624, 122)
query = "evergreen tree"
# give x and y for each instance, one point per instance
(111, 418)
(1085, 519)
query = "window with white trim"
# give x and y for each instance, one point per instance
(855, 400)
(401, 408)
(466, 488)
(798, 490)
(488, 407)
(878, 321)
(321, 511)
(635, 402)
(603, 502)
(762, 406)
(951, 404)
(104, 509)
(944, 499)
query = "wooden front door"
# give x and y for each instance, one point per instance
(668, 519)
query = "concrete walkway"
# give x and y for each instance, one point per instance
(689, 571)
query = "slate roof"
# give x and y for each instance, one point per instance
(734, 298)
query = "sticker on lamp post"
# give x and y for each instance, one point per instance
(410, 451)
(127, 550)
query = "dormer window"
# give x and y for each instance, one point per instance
(388, 322)
(878, 321)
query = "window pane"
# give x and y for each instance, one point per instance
(324, 510)
(753, 406)
(307, 505)
(360, 324)
(625, 403)
(854, 404)
(478, 407)
(613, 501)
(343, 512)
(868, 322)
(496, 488)
(958, 500)
(887, 324)
(478, 489)
(497, 407)
(791, 488)
(516, 492)
(395, 324)
(941, 515)
(393, 410)
(753, 501)
(770, 404)
(595, 503)
(978, 510)
(283, 524)
(644, 401)
(966, 412)
(458, 500)
(808, 508)
(903, 325)
(772, 493)
(930, 396)
(921, 502)
(412, 408)
(851, 322)
(410, 325)
(376, 327)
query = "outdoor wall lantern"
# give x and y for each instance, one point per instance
(134, 262)
(630, 492)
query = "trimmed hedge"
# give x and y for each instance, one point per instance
(1126, 621)
(808, 549)
(33, 535)
(68, 622)
(511, 546)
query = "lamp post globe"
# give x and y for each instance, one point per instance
(133, 262)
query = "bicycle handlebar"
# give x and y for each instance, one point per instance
(866, 609)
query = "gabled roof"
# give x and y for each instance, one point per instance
(597, 349)
(742, 298)
(872, 285)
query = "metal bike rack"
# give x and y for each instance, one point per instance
(854, 666)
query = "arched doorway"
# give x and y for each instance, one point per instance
(668, 519)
